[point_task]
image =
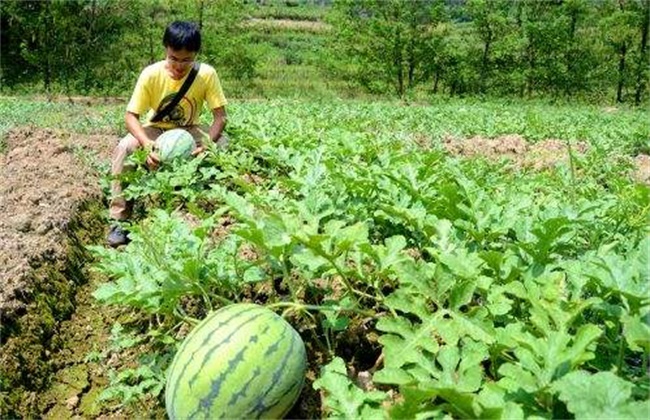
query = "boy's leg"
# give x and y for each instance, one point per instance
(201, 134)
(119, 208)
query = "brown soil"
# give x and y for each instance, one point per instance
(543, 155)
(50, 199)
(642, 165)
(300, 25)
(44, 177)
(81, 100)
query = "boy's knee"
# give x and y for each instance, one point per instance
(223, 141)
(128, 143)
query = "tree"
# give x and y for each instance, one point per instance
(227, 38)
(618, 29)
(26, 41)
(59, 43)
(490, 20)
(384, 42)
(643, 70)
(578, 54)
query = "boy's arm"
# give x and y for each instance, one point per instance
(135, 128)
(218, 123)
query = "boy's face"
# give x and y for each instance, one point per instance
(179, 62)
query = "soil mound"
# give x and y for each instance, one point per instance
(541, 155)
(45, 175)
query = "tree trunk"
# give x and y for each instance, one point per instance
(643, 56)
(484, 61)
(89, 45)
(436, 81)
(411, 64)
(397, 60)
(621, 73)
(568, 86)
(530, 52)
(48, 44)
(152, 25)
(201, 8)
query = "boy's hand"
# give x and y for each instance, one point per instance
(149, 145)
(198, 151)
(153, 160)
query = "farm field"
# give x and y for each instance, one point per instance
(460, 258)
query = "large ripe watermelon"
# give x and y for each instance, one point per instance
(242, 361)
(173, 144)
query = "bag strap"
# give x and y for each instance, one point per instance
(179, 95)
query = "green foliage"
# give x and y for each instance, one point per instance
(101, 46)
(384, 42)
(504, 47)
(77, 118)
(130, 385)
(482, 289)
(67, 57)
(309, 10)
(344, 400)
(577, 49)
(600, 395)
(165, 262)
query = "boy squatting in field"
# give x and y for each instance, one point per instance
(156, 86)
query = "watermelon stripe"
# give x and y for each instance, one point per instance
(206, 402)
(260, 407)
(197, 331)
(207, 356)
(207, 339)
(190, 359)
(276, 346)
(296, 385)
(226, 340)
(241, 394)
(242, 362)
(281, 399)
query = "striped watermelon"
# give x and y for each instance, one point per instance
(174, 144)
(243, 361)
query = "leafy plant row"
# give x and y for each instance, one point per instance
(480, 290)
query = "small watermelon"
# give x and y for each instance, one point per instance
(242, 361)
(175, 143)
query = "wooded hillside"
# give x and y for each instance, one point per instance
(593, 49)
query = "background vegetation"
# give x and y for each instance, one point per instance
(576, 49)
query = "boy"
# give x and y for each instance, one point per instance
(156, 87)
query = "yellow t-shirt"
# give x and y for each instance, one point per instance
(155, 89)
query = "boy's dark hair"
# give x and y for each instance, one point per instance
(181, 35)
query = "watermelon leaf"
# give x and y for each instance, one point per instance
(601, 395)
(343, 399)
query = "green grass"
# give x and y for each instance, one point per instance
(292, 10)
(291, 65)
(75, 117)
(624, 131)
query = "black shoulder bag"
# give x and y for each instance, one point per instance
(179, 95)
